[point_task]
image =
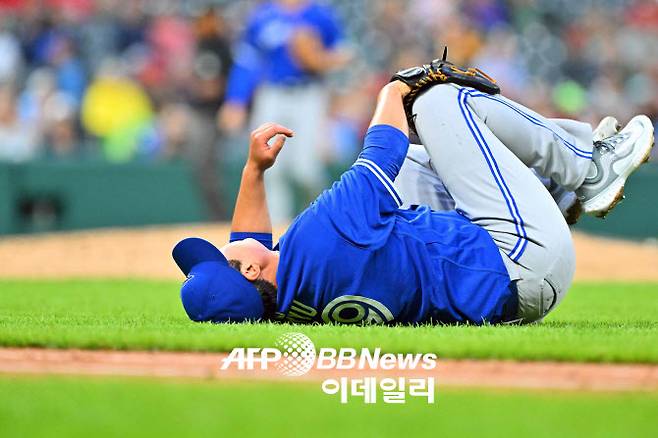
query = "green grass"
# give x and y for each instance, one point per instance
(49, 406)
(596, 322)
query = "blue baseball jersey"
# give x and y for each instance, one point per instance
(263, 52)
(354, 256)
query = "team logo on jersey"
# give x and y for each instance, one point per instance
(346, 309)
(354, 309)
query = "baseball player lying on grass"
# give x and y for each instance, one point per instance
(504, 254)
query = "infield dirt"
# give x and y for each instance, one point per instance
(146, 253)
(449, 372)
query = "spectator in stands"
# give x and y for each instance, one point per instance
(552, 56)
(18, 140)
(69, 72)
(11, 60)
(60, 132)
(117, 110)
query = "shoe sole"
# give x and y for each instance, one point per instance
(604, 202)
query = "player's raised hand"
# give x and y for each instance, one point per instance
(266, 142)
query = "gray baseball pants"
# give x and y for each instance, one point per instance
(482, 149)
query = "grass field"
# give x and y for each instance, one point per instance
(47, 406)
(596, 322)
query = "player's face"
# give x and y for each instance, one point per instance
(247, 250)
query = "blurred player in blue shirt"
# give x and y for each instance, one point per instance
(285, 51)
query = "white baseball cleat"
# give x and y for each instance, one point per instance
(614, 159)
(567, 201)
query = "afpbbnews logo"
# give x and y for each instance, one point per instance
(348, 358)
(295, 355)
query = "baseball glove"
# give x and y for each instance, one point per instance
(440, 71)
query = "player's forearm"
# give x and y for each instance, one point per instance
(309, 51)
(389, 110)
(321, 62)
(251, 213)
(387, 140)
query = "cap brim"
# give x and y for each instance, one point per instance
(191, 251)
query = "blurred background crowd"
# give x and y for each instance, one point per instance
(147, 80)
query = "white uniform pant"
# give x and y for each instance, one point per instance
(482, 149)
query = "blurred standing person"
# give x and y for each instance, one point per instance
(281, 60)
(212, 62)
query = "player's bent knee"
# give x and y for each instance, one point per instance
(543, 288)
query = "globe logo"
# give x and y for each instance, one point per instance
(297, 354)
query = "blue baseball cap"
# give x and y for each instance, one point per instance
(214, 291)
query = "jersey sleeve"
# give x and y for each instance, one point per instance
(330, 27)
(245, 73)
(264, 238)
(361, 205)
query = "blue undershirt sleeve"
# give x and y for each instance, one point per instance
(263, 238)
(245, 74)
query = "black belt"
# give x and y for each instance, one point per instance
(511, 307)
